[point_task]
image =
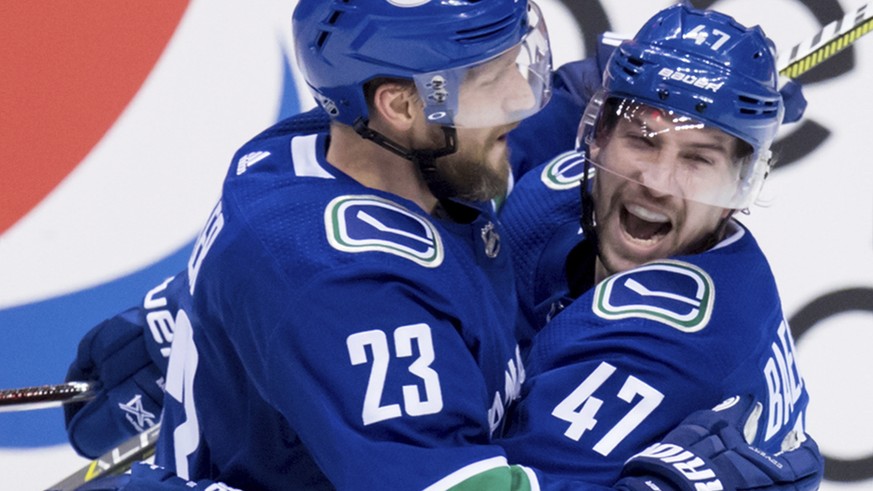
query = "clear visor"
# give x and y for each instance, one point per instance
(501, 90)
(671, 153)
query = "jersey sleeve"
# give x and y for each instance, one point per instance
(541, 223)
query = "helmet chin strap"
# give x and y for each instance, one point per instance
(424, 159)
(580, 266)
(717, 235)
(587, 220)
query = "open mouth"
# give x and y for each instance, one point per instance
(644, 225)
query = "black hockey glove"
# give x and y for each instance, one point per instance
(708, 451)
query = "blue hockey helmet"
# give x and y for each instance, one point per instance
(698, 69)
(439, 44)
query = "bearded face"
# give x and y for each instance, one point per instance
(479, 169)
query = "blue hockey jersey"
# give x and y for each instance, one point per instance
(629, 358)
(344, 333)
(543, 212)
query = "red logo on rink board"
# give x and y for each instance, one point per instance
(69, 70)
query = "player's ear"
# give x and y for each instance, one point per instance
(396, 105)
(598, 143)
(594, 150)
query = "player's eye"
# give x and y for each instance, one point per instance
(699, 159)
(639, 141)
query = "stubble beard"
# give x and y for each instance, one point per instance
(476, 177)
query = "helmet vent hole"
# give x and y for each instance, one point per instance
(632, 65)
(322, 38)
(757, 107)
(324, 34)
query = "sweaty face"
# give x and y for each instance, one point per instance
(648, 169)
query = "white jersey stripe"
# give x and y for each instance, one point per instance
(303, 155)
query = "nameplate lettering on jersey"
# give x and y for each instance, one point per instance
(564, 171)
(373, 224)
(674, 293)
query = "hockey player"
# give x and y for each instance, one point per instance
(664, 303)
(346, 312)
(130, 366)
(326, 344)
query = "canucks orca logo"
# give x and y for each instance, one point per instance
(370, 223)
(675, 293)
(565, 171)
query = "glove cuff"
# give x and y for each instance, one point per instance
(673, 466)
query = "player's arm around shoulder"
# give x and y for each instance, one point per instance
(545, 199)
(541, 225)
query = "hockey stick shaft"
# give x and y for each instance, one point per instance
(42, 396)
(113, 462)
(830, 40)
